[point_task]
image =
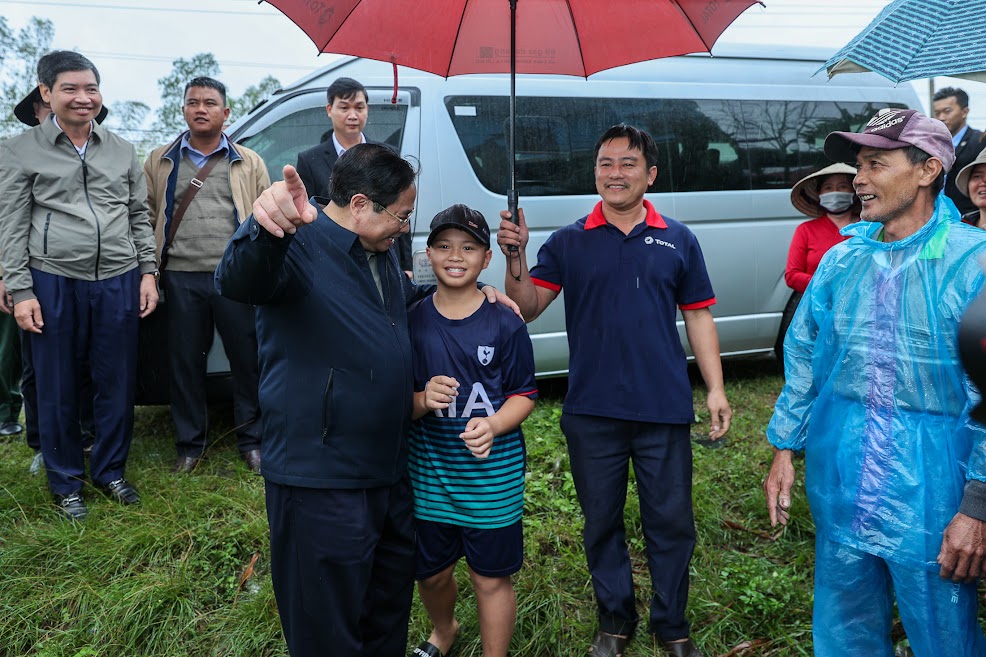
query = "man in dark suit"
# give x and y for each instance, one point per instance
(951, 106)
(348, 108)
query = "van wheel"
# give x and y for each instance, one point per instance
(789, 309)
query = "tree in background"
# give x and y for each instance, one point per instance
(126, 119)
(169, 121)
(254, 95)
(21, 50)
(19, 54)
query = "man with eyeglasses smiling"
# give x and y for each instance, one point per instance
(335, 397)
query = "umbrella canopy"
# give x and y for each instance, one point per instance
(914, 39)
(567, 37)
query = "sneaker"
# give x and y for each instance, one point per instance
(122, 491)
(37, 464)
(72, 506)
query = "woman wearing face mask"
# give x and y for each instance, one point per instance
(828, 197)
(971, 181)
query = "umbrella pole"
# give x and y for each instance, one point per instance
(512, 197)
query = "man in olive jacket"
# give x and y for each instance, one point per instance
(78, 252)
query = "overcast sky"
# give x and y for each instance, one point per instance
(133, 42)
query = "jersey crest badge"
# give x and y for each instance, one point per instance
(485, 354)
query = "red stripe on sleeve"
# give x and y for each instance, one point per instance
(545, 284)
(523, 394)
(700, 304)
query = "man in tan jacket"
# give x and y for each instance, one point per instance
(224, 180)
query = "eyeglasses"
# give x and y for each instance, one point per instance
(380, 208)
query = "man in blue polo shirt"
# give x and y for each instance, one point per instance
(628, 270)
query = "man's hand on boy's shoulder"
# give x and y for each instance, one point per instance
(494, 295)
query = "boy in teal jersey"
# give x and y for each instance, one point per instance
(474, 386)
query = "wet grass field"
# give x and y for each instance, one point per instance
(187, 572)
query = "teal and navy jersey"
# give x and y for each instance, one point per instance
(489, 353)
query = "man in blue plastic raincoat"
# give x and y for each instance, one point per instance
(877, 399)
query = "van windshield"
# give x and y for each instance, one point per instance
(704, 145)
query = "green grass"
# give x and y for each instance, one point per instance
(167, 578)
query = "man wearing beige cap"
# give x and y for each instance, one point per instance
(876, 398)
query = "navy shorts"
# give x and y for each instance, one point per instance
(489, 552)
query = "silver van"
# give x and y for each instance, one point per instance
(735, 132)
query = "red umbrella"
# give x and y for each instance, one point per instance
(566, 37)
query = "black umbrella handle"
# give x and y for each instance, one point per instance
(513, 198)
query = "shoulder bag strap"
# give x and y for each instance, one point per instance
(195, 184)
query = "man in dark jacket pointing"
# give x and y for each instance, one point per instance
(335, 395)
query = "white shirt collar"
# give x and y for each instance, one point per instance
(339, 149)
(81, 151)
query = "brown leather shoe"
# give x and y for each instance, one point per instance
(186, 464)
(252, 459)
(682, 649)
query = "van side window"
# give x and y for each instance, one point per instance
(704, 145)
(280, 142)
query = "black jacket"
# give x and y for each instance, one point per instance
(335, 361)
(973, 142)
(315, 168)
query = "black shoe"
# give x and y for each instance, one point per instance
(122, 491)
(11, 428)
(608, 645)
(186, 464)
(682, 649)
(72, 506)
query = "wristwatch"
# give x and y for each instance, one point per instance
(156, 274)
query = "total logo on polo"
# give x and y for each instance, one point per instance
(652, 240)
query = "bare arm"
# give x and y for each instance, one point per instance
(480, 431)
(531, 298)
(704, 341)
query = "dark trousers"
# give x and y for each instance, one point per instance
(10, 369)
(94, 320)
(342, 564)
(600, 451)
(195, 312)
(29, 389)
